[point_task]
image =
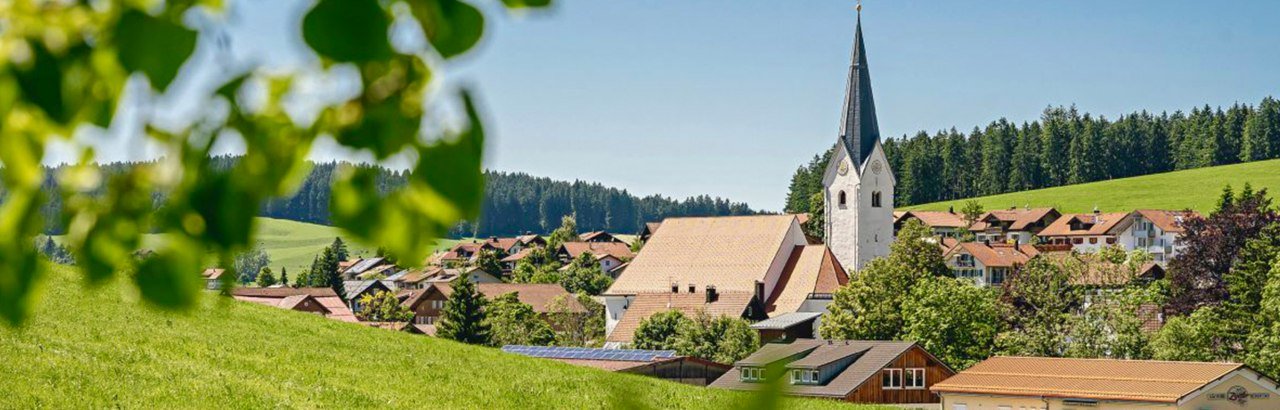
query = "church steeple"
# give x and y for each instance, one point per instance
(858, 127)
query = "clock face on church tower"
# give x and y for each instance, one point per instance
(843, 168)
(876, 167)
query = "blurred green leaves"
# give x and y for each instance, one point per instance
(69, 62)
(452, 26)
(153, 46)
(348, 30)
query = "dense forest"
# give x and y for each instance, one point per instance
(514, 202)
(1064, 147)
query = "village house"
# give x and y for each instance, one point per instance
(366, 268)
(421, 278)
(987, 264)
(322, 301)
(648, 230)
(944, 224)
(599, 237)
(619, 251)
(661, 364)
(427, 304)
(1013, 225)
(754, 267)
(1041, 383)
(213, 278)
(356, 289)
(1086, 233)
(1157, 232)
(861, 371)
(788, 326)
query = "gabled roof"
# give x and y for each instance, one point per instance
(363, 265)
(285, 295)
(598, 236)
(539, 296)
(516, 257)
(936, 219)
(810, 269)
(213, 273)
(1018, 219)
(617, 249)
(871, 357)
(729, 252)
(786, 321)
(1168, 221)
(531, 238)
(283, 292)
(1099, 379)
(732, 304)
(355, 288)
(996, 255)
(503, 243)
(1094, 224)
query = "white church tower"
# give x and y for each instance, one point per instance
(858, 182)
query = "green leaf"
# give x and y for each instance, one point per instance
(519, 4)
(452, 26)
(453, 169)
(348, 30)
(171, 278)
(41, 83)
(153, 46)
(20, 264)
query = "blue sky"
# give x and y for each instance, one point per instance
(727, 97)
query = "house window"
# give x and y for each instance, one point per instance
(843, 199)
(997, 275)
(1077, 241)
(437, 304)
(1141, 242)
(914, 379)
(891, 378)
(875, 199)
(1093, 241)
(752, 374)
(1111, 241)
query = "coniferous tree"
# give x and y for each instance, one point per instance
(463, 318)
(266, 278)
(284, 276)
(339, 249)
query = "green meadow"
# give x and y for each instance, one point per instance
(1196, 189)
(102, 348)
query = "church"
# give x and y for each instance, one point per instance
(858, 182)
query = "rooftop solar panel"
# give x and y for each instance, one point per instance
(557, 352)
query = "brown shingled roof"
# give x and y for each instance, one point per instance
(1100, 379)
(937, 219)
(1018, 219)
(1090, 224)
(871, 357)
(539, 296)
(1168, 221)
(286, 295)
(996, 255)
(732, 304)
(617, 249)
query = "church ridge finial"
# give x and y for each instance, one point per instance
(859, 8)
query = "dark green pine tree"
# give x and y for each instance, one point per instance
(463, 315)
(339, 249)
(313, 277)
(284, 276)
(1261, 139)
(329, 272)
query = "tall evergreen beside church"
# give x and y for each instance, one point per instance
(858, 183)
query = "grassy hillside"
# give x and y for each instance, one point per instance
(98, 348)
(1197, 189)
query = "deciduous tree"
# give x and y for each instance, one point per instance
(512, 322)
(659, 331)
(383, 306)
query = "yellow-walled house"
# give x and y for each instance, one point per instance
(1038, 383)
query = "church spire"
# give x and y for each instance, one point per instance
(858, 127)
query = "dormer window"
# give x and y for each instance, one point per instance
(804, 376)
(752, 374)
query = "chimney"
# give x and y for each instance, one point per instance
(693, 288)
(711, 294)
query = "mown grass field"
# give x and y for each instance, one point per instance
(1196, 189)
(100, 348)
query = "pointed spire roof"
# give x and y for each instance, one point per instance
(858, 127)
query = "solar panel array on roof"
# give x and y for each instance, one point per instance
(586, 353)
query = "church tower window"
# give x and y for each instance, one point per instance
(843, 199)
(875, 199)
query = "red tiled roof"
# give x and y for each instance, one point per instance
(1168, 221)
(997, 255)
(938, 219)
(1018, 219)
(539, 296)
(617, 249)
(1108, 223)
